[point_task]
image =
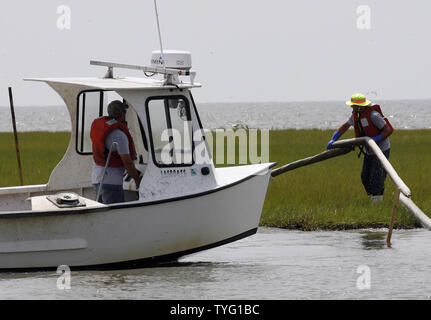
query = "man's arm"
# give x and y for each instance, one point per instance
(337, 134)
(344, 128)
(379, 121)
(130, 167)
(386, 132)
(123, 150)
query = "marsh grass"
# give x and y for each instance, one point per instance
(325, 195)
(40, 152)
(330, 195)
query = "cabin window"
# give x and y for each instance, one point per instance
(170, 124)
(92, 105)
(89, 104)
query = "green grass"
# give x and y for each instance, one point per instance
(330, 195)
(40, 152)
(325, 195)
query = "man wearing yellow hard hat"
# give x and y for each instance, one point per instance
(368, 120)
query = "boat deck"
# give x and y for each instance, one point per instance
(32, 198)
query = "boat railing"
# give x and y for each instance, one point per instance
(104, 170)
(345, 146)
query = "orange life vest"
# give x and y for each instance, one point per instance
(100, 129)
(363, 124)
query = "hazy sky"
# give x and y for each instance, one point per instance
(242, 50)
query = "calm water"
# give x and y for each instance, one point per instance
(403, 114)
(273, 264)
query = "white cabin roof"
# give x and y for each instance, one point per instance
(127, 83)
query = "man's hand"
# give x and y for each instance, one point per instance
(377, 138)
(337, 134)
(334, 138)
(130, 167)
(329, 145)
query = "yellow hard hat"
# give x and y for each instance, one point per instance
(358, 99)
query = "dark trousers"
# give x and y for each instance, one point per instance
(373, 174)
(111, 193)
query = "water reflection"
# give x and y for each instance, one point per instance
(373, 240)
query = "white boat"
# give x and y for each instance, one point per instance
(182, 206)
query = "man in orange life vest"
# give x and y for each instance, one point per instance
(368, 120)
(105, 131)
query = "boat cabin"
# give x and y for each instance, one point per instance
(162, 119)
(172, 152)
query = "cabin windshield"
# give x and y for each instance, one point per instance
(170, 126)
(91, 105)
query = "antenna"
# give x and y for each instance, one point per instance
(160, 36)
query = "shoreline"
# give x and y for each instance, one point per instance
(344, 227)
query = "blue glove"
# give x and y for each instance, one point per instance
(378, 138)
(334, 138)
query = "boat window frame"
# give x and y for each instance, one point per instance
(101, 99)
(169, 126)
(197, 114)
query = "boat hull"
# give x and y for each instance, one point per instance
(133, 234)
